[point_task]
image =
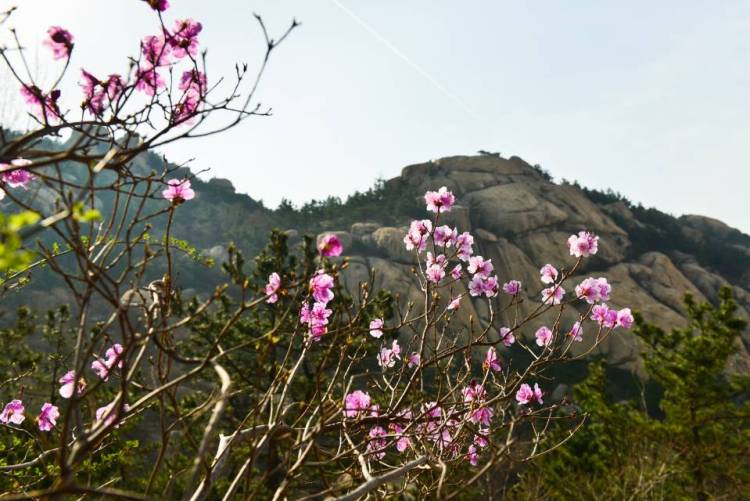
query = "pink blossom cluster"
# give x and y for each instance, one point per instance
(272, 287)
(160, 52)
(583, 245)
(455, 245)
(439, 201)
(98, 94)
(388, 356)
(525, 395)
(357, 404)
(610, 318)
(475, 397)
(593, 290)
(316, 317)
(13, 413)
(44, 105)
(112, 358)
(555, 292)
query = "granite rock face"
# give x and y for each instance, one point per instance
(521, 221)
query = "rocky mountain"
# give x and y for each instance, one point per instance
(520, 219)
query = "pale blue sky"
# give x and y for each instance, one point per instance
(648, 98)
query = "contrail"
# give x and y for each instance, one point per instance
(408, 61)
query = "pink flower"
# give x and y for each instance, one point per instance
(376, 327)
(538, 394)
(98, 94)
(439, 201)
(480, 439)
(320, 287)
(113, 355)
(47, 418)
(593, 290)
(179, 191)
(472, 456)
(100, 369)
(17, 177)
(403, 442)
(588, 290)
(184, 38)
(605, 317)
(416, 237)
(13, 412)
(193, 81)
(68, 382)
(525, 395)
(553, 294)
(355, 403)
(513, 287)
(109, 414)
(625, 318)
(482, 416)
(330, 246)
(388, 356)
(440, 259)
(483, 285)
(45, 106)
(543, 336)
(159, 5)
(506, 336)
(474, 392)
(599, 313)
(273, 285)
(476, 286)
(604, 289)
(454, 304)
(456, 272)
(465, 245)
(93, 100)
(377, 444)
(60, 41)
(149, 80)
(316, 319)
(548, 274)
(435, 273)
(584, 244)
(444, 236)
(576, 332)
(491, 361)
(414, 360)
(156, 50)
(185, 111)
(491, 287)
(478, 266)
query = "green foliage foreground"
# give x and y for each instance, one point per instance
(695, 445)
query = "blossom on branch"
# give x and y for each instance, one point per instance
(13, 413)
(60, 41)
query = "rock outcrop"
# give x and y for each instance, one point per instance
(521, 221)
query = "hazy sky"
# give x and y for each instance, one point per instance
(648, 98)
